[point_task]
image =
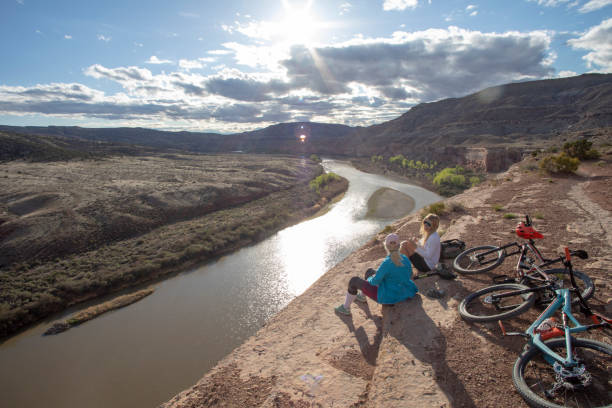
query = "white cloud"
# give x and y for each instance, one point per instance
(219, 52)
(598, 40)
(190, 64)
(154, 60)
(593, 5)
(400, 5)
(465, 61)
(122, 74)
(470, 7)
(474, 13)
(345, 8)
(359, 82)
(549, 3)
(104, 38)
(68, 37)
(564, 74)
(139, 45)
(20, 2)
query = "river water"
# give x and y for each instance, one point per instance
(143, 354)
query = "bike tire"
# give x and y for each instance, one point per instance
(584, 282)
(466, 262)
(532, 375)
(475, 308)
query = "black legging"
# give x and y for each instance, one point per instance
(356, 283)
(419, 262)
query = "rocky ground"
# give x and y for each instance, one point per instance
(419, 352)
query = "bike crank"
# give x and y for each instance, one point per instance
(569, 380)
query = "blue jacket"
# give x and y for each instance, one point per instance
(394, 282)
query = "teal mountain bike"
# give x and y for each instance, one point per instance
(557, 369)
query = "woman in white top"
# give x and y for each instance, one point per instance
(425, 253)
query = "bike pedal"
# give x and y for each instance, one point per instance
(505, 333)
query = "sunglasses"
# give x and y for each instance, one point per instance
(427, 223)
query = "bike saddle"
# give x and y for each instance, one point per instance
(527, 232)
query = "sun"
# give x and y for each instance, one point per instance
(298, 26)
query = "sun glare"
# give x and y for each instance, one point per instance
(298, 25)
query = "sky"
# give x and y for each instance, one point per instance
(236, 65)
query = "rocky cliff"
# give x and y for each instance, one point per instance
(419, 353)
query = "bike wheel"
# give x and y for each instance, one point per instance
(480, 307)
(472, 261)
(534, 378)
(585, 284)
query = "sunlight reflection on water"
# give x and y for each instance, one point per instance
(142, 355)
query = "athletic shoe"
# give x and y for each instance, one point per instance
(342, 310)
(361, 298)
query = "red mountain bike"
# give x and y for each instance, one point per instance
(532, 283)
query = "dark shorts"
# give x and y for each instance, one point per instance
(419, 262)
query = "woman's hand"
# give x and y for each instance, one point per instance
(407, 247)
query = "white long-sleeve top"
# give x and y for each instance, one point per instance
(431, 250)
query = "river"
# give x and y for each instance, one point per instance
(143, 354)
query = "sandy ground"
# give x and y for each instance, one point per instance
(418, 353)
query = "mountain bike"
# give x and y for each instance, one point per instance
(532, 284)
(507, 300)
(557, 369)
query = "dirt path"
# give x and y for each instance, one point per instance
(419, 352)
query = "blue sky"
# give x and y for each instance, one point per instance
(233, 65)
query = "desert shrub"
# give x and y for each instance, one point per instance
(323, 180)
(497, 207)
(387, 230)
(376, 159)
(474, 180)
(455, 206)
(510, 216)
(315, 158)
(397, 160)
(435, 208)
(561, 163)
(451, 176)
(581, 150)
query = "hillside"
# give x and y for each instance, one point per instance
(505, 120)
(72, 230)
(419, 353)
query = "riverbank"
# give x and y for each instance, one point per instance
(309, 356)
(103, 226)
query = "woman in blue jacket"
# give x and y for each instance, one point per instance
(391, 283)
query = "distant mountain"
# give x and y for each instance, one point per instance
(515, 115)
(508, 115)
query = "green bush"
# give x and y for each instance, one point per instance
(323, 180)
(510, 216)
(315, 158)
(561, 163)
(376, 159)
(435, 208)
(581, 150)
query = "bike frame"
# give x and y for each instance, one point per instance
(523, 269)
(563, 302)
